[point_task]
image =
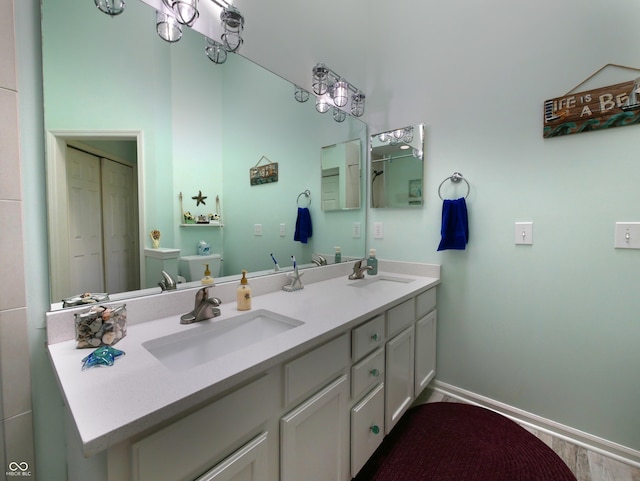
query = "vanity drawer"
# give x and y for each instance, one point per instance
(367, 372)
(366, 337)
(425, 302)
(310, 371)
(400, 317)
(367, 428)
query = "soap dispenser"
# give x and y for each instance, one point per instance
(372, 262)
(207, 280)
(243, 294)
(338, 255)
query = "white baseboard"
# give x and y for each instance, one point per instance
(575, 436)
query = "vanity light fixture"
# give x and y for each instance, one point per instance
(233, 23)
(185, 11)
(110, 7)
(398, 136)
(215, 51)
(333, 90)
(168, 27)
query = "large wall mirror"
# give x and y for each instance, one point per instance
(397, 168)
(184, 125)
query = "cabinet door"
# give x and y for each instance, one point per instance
(248, 463)
(425, 351)
(399, 376)
(314, 443)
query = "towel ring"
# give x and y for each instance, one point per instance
(307, 194)
(455, 178)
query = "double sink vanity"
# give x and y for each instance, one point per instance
(302, 387)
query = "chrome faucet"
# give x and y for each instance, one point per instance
(319, 260)
(205, 308)
(358, 269)
(167, 283)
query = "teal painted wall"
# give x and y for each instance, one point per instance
(550, 328)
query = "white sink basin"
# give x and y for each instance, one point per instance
(380, 280)
(208, 341)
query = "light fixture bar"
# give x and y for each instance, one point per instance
(221, 5)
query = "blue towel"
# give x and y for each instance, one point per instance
(455, 225)
(303, 225)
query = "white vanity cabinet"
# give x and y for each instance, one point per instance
(229, 435)
(314, 436)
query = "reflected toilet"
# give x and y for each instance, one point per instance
(192, 267)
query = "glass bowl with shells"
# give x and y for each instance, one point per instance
(100, 326)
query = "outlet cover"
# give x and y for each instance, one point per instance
(627, 235)
(356, 230)
(524, 233)
(378, 230)
(257, 229)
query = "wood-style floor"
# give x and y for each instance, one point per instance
(586, 465)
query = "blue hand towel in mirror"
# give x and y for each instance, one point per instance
(455, 225)
(303, 225)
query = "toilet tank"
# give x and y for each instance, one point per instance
(192, 267)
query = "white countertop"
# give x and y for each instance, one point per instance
(110, 405)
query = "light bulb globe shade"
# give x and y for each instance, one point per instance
(233, 23)
(322, 105)
(320, 79)
(300, 94)
(357, 104)
(215, 52)
(398, 134)
(168, 27)
(186, 11)
(339, 115)
(110, 7)
(340, 93)
(383, 137)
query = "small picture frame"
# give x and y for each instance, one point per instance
(263, 174)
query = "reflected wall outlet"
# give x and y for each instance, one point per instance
(524, 233)
(627, 235)
(257, 229)
(283, 230)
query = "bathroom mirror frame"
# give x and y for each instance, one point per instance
(158, 197)
(397, 168)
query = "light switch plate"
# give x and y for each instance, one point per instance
(627, 235)
(356, 230)
(257, 229)
(378, 230)
(524, 233)
(283, 230)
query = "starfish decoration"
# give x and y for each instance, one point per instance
(199, 198)
(103, 356)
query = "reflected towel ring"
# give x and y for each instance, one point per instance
(307, 194)
(455, 178)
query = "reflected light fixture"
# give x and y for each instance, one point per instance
(357, 104)
(215, 51)
(326, 81)
(168, 27)
(339, 115)
(322, 104)
(233, 23)
(300, 94)
(110, 7)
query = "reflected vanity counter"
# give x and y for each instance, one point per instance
(140, 391)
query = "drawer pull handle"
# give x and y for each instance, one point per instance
(375, 372)
(375, 429)
(375, 337)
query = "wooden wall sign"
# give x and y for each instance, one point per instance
(263, 174)
(590, 110)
